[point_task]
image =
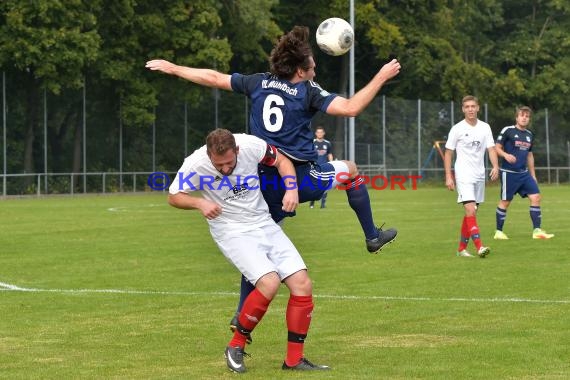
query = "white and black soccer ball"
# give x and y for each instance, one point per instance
(335, 36)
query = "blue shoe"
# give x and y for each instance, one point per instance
(384, 238)
(305, 365)
(234, 359)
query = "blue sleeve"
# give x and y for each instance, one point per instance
(319, 99)
(245, 84)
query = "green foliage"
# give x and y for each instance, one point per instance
(53, 40)
(507, 52)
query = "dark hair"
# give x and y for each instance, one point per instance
(523, 109)
(292, 51)
(219, 141)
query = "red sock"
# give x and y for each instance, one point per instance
(299, 312)
(473, 229)
(464, 238)
(254, 308)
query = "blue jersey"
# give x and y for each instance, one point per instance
(323, 148)
(281, 112)
(517, 142)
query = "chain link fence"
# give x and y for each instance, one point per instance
(75, 142)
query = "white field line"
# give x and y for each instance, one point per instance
(10, 287)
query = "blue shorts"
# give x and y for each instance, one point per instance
(517, 183)
(312, 181)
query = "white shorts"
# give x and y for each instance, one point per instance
(261, 250)
(470, 191)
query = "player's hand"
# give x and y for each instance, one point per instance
(210, 209)
(494, 174)
(390, 69)
(510, 158)
(450, 183)
(290, 200)
(161, 65)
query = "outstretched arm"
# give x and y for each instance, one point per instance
(203, 77)
(341, 106)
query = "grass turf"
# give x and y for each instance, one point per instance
(124, 287)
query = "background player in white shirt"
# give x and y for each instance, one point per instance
(470, 138)
(225, 171)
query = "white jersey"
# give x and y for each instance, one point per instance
(470, 144)
(239, 194)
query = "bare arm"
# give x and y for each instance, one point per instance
(203, 77)
(287, 172)
(330, 157)
(185, 201)
(501, 153)
(449, 180)
(493, 157)
(341, 106)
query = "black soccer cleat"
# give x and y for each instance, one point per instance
(234, 359)
(384, 238)
(233, 328)
(305, 365)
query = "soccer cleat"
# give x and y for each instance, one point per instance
(464, 253)
(539, 233)
(305, 365)
(500, 235)
(234, 359)
(483, 252)
(233, 328)
(384, 238)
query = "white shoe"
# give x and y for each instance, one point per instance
(500, 235)
(539, 233)
(463, 253)
(483, 252)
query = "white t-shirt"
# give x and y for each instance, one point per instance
(470, 143)
(239, 194)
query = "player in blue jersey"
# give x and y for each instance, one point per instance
(514, 145)
(283, 103)
(324, 155)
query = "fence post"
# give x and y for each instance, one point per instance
(547, 143)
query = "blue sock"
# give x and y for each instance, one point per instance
(324, 199)
(501, 215)
(245, 288)
(359, 201)
(535, 216)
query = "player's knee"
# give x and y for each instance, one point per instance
(268, 285)
(300, 284)
(352, 168)
(534, 198)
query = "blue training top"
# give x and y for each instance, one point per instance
(281, 112)
(517, 142)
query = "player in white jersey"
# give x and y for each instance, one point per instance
(470, 138)
(225, 171)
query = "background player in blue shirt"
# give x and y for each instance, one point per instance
(514, 145)
(324, 155)
(283, 103)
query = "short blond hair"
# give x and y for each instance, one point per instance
(468, 98)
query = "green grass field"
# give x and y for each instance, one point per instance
(126, 287)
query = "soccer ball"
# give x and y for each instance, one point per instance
(335, 36)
